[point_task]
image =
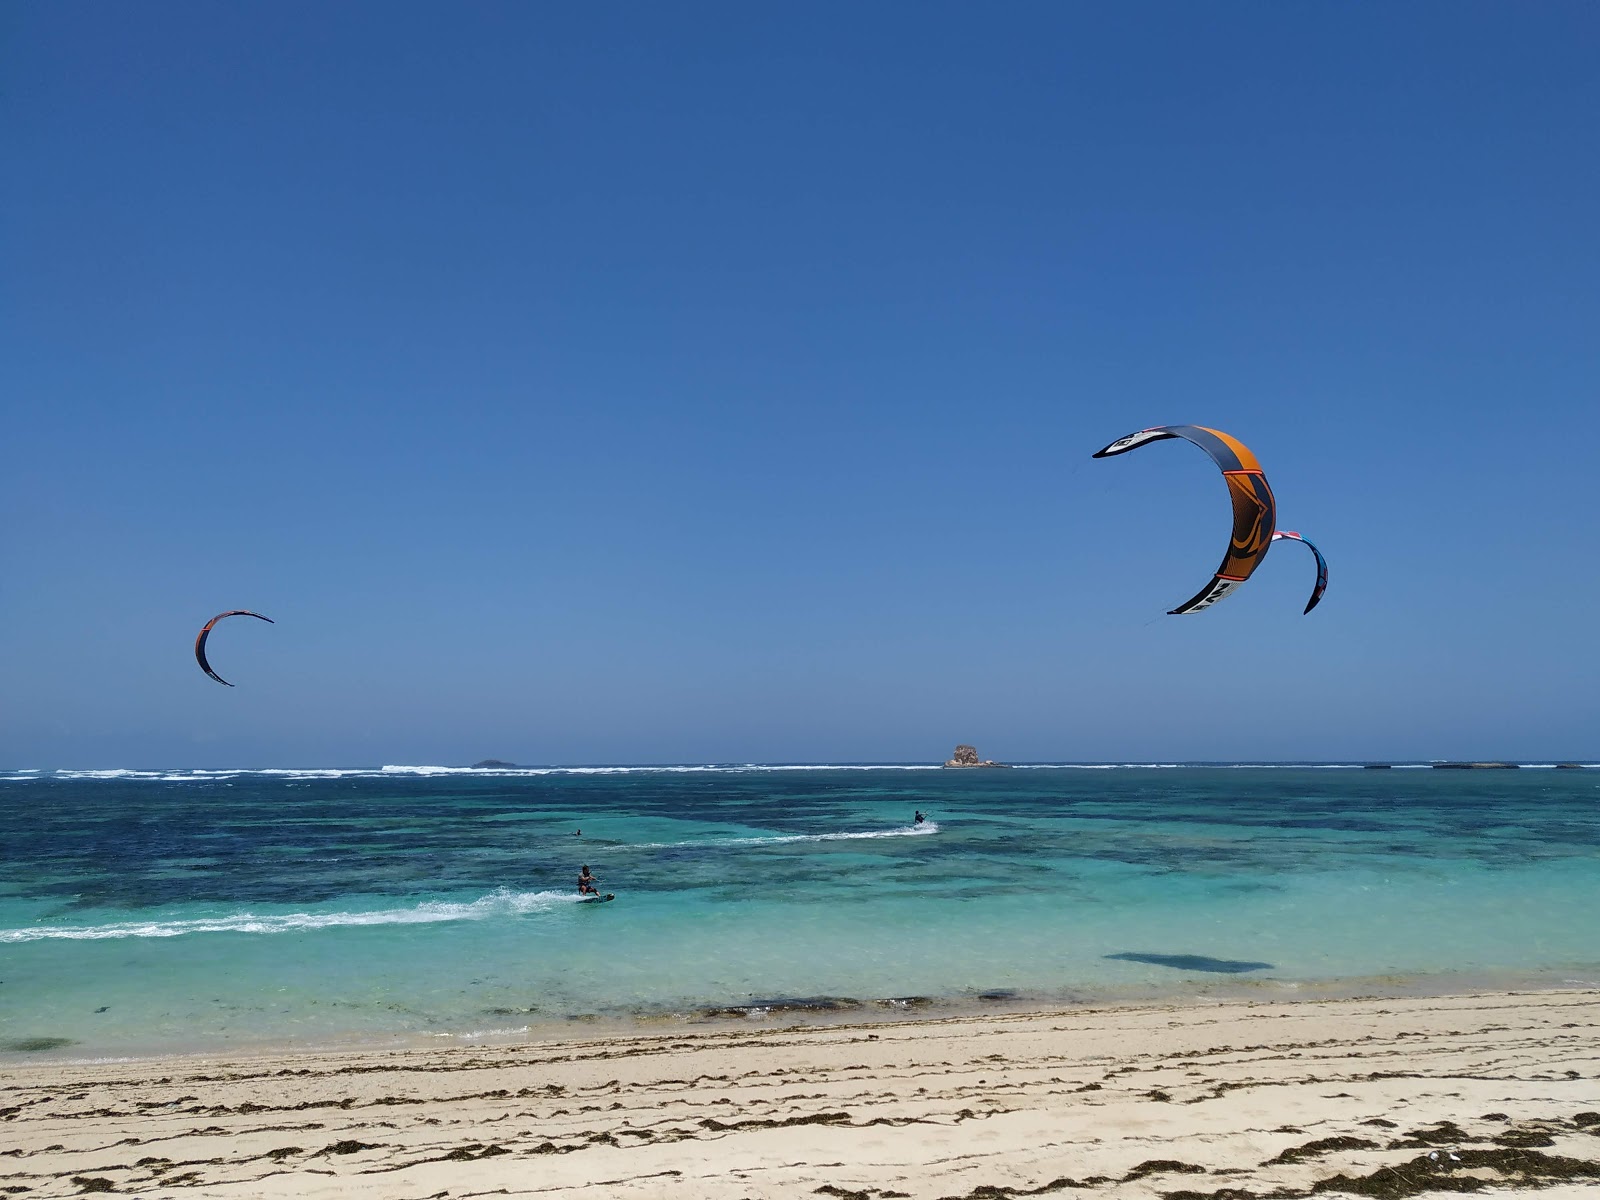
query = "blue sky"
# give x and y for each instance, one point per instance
(640, 382)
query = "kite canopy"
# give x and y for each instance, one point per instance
(1322, 565)
(200, 642)
(1254, 510)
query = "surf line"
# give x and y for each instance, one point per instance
(783, 839)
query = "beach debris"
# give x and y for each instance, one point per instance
(1320, 1147)
(205, 632)
(1255, 512)
(1162, 1166)
(347, 1146)
(1322, 565)
(1516, 1168)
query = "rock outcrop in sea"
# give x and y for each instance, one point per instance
(493, 762)
(967, 756)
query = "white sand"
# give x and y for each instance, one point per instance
(1125, 1102)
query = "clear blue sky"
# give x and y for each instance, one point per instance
(683, 382)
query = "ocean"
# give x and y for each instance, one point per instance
(206, 911)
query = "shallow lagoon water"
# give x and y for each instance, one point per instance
(153, 911)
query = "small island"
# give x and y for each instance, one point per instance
(967, 756)
(493, 762)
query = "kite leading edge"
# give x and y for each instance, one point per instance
(200, 641)
(1254, 510)
(1322, 565)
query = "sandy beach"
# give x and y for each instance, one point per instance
(1377, 1097)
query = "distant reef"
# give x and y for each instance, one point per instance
(967, 756)
(1476, 766)
(493, 762)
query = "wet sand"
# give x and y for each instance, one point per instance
(1374, 1097)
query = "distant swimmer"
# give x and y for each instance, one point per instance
(577, 833)
(919, 818)
(587, 882)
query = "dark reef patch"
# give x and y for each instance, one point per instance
(782, 1004)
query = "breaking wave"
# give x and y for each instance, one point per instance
(395, 771)
(781, 839)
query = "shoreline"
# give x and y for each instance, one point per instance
(754, 1013)
(1184, 1098)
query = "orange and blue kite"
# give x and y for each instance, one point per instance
(1254, 510)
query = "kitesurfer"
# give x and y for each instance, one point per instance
(587, 882)
(919, 818)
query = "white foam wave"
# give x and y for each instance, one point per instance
(783, 839)
(113, 774)
(427, 771)
(391, 771)
(1099, 766)
(473, 1035)
(664, 769)
(501, 903)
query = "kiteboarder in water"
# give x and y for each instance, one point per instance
(919, 818)
(587, 882)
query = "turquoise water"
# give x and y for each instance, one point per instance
(201, 910)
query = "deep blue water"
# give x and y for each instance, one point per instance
(198, 910)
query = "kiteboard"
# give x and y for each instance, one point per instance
(597, 899)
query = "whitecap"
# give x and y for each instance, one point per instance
(1126, 766)
(782, 839)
